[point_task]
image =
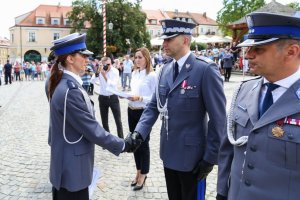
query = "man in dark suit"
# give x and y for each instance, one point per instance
(260, 157)
(190, 99)
(7, 72)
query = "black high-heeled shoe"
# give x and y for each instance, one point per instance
(139, 187)
(133, 183)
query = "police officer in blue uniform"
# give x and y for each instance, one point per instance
(191, 102)
(73, 128)
(260, 157)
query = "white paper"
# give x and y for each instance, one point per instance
(96, 175)
(117, 92)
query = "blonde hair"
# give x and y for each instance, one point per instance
(145, 52)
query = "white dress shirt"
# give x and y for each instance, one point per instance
(182, 60)
(142, 84)
(75, 76)
(112, 81)
(284, 84)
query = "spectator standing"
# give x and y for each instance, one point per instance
(17, 70)
(33, 70)
(1, 71)
(127, 70)
(227, 65)
(108, 76)
(44, 74)
(189, 143)
(7, 72)
(143, 85)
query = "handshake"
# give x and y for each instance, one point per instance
(132, 142)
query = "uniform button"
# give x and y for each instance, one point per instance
(236, 117)
(253, 148)
(250, 166)
(247, 182)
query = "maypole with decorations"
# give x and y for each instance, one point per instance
(104, 26)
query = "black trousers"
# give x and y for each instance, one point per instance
(181, 185)
(112, 102)
(63, 194)
(7, 77)
(142, 154)
(227, 73)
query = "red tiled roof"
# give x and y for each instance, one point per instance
(46, 11)
(203, 19)
(154, 14)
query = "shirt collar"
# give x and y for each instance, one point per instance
(182, 60)
(288, 81)
(75, 76)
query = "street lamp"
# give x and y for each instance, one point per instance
(110, 27)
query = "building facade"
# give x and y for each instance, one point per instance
(32, 35)
(204, 24)
(4, 53)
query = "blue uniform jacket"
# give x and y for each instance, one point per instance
(71, 165)
(268, 166)
(191, 135)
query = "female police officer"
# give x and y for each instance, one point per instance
(73, 129)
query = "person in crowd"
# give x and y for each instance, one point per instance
(143, 85)
(127, 70)
(227, 65)
(33, 70)
(27, 71)
(44, 74)
(38, 71)
(73, 128)
(259, 158)
(86, 78)
(1, 71)
(193, 113)
(108, 77)
(17, 70)
(235, 51)
(7, 72)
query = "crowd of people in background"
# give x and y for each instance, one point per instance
(228, 58)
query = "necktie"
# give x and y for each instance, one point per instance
(268, 100)
(176, 71)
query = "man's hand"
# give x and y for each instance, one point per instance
(132, 142)
(203, 169)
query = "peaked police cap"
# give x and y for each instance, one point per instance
(268, 27)
(70, 44)
(172, 28)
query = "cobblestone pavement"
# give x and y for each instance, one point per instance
(24, 161)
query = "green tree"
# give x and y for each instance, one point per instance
(295, 5)
(234, 10)
(129, 29)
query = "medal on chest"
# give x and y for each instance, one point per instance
(277, 130)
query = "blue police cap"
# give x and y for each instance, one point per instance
(172, 28)
(70, 44)
(268, 27)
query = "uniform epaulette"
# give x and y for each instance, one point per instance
(205, 59)
(72, 85)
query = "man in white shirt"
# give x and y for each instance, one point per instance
(128, 65)
(109, 77)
